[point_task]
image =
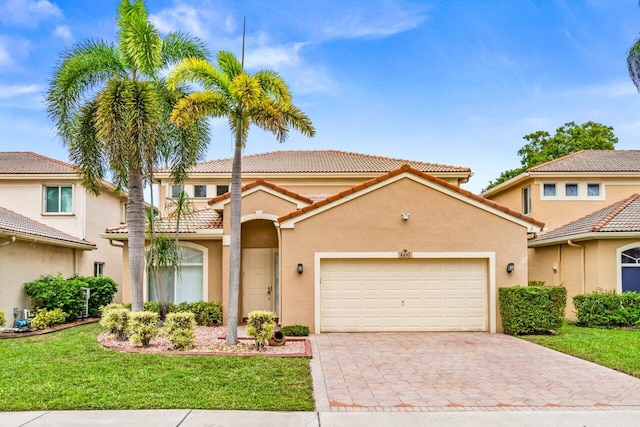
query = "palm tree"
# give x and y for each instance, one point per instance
(110, 107)
(262, 99)
(633, 62)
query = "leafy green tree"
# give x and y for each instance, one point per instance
(262, 99)
(111, 107)
(569, 138)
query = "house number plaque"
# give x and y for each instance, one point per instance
(405, 254)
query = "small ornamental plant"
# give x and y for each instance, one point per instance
(181, 330)
(260, 326)
(115, 318)
(47, 318)
(3, 320)
(144, 327)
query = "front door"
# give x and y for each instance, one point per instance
(257, 280)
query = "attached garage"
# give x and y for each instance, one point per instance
(358, 295)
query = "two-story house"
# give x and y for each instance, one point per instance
(50, 224)
(588, 202)
(344, 241)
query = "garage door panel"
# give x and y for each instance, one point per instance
(396, 295)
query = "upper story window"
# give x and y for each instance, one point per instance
(199, 191)
(176, 189)
(58, 199)
(593, 190)
(571, 190)
(221, 189)
(549, 190)
(526, 200)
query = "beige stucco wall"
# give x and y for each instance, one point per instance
(23, 262)
(91, 215)
(600, 267)
(372, 223)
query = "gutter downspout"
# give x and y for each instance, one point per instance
(583, 273)
(114, 245)
(11, 240)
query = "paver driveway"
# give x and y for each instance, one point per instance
(466, 370)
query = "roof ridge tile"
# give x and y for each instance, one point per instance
(605, 220)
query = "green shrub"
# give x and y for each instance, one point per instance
(260, 326)
(113, 305)
(53, 292)
(101, 292)
(181, 329)
(152, 306)
(207, 313)
(537, 282)
(295, 331)
(46, 319)
(3, 319)
(532, 309)
(144, 327)
(608, 309)
(116, 320)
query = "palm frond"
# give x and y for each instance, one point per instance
(274, 85)
(198, 105)
(84, 67)
(245, 90)
(140, 41)
(229, 64)
(633, 63)
(177, 46)
(195, 70)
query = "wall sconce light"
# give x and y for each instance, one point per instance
(510, 267)
(405, 216)
(300, 269)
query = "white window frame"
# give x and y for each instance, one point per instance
(600, 190)
(205, 270)
(98, 269)
(206, 191)
(218, 193)
(619, 263)
(526, 200)
(59, 187)
(566, 185)
(561, 191)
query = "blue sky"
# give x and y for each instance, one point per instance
(453, 82)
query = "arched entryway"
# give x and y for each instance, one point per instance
(629, 268)
(259, 281)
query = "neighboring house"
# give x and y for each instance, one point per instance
(588, 202)
(48, 192)
(29, 249)
(349, 242)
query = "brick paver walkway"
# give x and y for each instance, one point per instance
(460, 371)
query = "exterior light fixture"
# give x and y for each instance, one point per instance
(405, 216)
(510, 267)
(300, 269)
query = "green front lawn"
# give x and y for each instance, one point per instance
(70, 370)
(613, 348)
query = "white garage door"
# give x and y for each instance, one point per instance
(403, 295)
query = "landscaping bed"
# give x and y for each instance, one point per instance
(55, 328)
(210, 341)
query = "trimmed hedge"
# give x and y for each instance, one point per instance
(207, 313)
(608, 309)
(532, 309)
(295, 331)
(53, 292)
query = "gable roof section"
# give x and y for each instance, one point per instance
(593, 161)
(27, 162)
(201, 220)
(23, 228)
(266, 184)
(610, 222)
(441, 185)
(318, 161)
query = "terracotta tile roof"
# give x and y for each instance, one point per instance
(11, 222)
(623, 216)
(407, 168)
(264, 183)
(319, 161)
(593, 161)
(201, 219)
(27, 162)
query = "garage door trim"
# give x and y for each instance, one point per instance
(489, 256)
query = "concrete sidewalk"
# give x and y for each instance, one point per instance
(197, 418)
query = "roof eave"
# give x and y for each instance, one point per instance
(31, 238)
(506, 185)
(599, 235)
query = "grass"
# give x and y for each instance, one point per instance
(71, 370)
(613, 348)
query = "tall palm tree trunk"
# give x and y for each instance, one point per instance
(234, 258)
(135, 222)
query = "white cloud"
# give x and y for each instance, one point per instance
(27, 12)
(186, 18)
(11, 91)
(5, 56)
(615, 89)
(376, 21)
(63, 32)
